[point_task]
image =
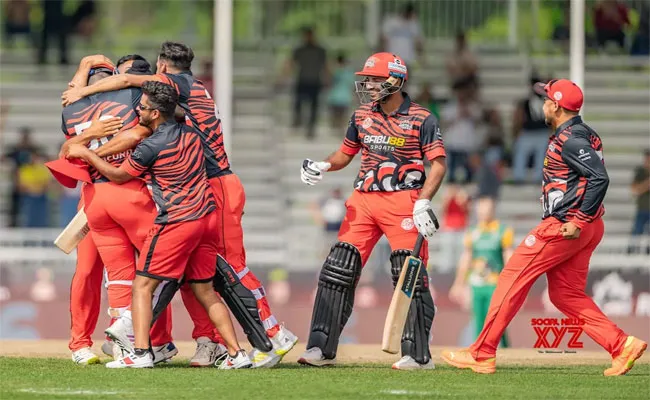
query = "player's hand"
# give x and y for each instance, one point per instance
(311, 171)
(70, 96)
(76, 151)
(570, 230)
(105, 127)
(96, 59)
(424, 218)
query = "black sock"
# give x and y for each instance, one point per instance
(140, 352)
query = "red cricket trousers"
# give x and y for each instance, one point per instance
(566, 265)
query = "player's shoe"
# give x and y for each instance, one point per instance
(314, 357)
(408, 363)
(283, 342)
(112, 350)
(121, 333)
(463, 359)
(85, 356)
(132, 361)
(164, 353)
(239, 361)
(633, 350)
(207, 352)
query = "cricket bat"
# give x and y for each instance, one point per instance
(399, 305)
(76, 230)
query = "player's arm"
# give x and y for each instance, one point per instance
(349, 148)
(117, 175)
(582, 158)
(464, 264)
(507, 244)
(80, 78)
(115, 82)
(124, 141)
(434, 151)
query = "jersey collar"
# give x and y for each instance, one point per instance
(403, 108)
(573, 121)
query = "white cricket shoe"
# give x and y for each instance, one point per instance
(164, 353)
(408, 363)
(283, 342)
(111, 349)
(121, 333)
(132, 361)
(207, 352)
(239, 361)
(315, 358)
(85, 356)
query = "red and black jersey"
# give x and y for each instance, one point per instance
(393, 147)
(575, 179)
(202, 113)
(79, 115)
(173, 163)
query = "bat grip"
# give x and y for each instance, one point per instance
(418, 245)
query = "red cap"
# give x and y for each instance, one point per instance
(68, 172)
(562, 91)
(384, 65)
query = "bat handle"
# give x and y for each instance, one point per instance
(418, 245)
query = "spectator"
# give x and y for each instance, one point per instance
(206, 77)
(462, 67)
(641, 190)
(339, 97)
(610, 19)
(54, 23)
(462, 124)
(428, 99)
(454, 213)
(310, 59)
(83, 21)
(494, 141)
(488, 176)
(33, 184)
(402, 35)
(530, 135)
(641, 42)
(329, 213)
(17, 20)
(562, 32)
(68, 204)
(18, 156)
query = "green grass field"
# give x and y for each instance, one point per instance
(51, 378)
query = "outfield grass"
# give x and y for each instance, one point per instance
(32, 378)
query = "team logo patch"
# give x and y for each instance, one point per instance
(557, 96)
(370, 63)
(530, 240)
(406, 125)
(407, 224)
(367, 123)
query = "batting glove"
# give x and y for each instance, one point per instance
(311, 171)
(424, 218)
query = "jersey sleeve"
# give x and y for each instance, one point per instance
(141, 159)
(136, 95)
(582, 158)
(508, 238)
(351, 143)
(431, 139)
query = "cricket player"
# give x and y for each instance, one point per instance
(183, 241)
(488, 246)
(392, 197)
(245, 295)
(574, 186)
(115, 233)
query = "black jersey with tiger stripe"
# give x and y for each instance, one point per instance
(393, 147)
(79, 115)
(202, 113)
(575, 179)
(173, 163)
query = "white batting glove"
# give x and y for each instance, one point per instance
(424, 218)
(311, 171)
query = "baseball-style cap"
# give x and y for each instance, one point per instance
(562, 91)
(69, 172)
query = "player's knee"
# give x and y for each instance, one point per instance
(143, 284)
(342, 266)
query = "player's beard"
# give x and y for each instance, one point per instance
(144, 122)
